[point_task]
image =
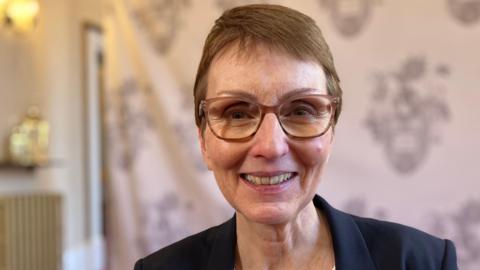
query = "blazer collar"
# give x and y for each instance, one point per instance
(224, 245)
(351, 251)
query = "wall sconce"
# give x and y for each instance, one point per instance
(20, 15)
(3, 3)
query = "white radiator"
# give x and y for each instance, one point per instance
(30, 232)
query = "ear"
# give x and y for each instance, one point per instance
(203, 148)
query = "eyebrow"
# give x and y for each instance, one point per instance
(243, 93)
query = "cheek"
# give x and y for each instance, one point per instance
(316, 152)
(219, 161)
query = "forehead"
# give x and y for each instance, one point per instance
(264, 72)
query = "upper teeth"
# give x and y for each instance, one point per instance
(268, 180)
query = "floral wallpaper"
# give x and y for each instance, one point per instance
(406, 146)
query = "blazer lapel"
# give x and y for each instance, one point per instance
(351, 251)
(222, 256)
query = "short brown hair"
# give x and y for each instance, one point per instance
(275, 26)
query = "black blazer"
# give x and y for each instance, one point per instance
(359, 244)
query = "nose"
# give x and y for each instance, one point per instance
(270, 141)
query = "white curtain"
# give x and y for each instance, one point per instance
(158, 190)
(406, 147)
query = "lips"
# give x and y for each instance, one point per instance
(268, 180)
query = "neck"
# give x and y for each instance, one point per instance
(290, 245)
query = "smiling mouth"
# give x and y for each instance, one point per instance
(268, 180)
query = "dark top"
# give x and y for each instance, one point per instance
(358, 243)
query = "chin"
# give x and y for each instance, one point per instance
(268, 214)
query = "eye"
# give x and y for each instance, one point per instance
(306, 109)
(239, 111)
(303, 110)
(235, 115)
(300, 109)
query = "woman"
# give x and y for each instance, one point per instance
(267, 99)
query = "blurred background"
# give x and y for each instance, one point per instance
(99, 163)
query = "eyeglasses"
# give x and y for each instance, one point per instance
(238, 118)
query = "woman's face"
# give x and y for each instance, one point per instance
(268, 75)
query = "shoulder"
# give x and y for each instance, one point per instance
(188, 253)
(394, 244)
(375, 230)
(377, 244)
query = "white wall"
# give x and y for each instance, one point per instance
(44, 68)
